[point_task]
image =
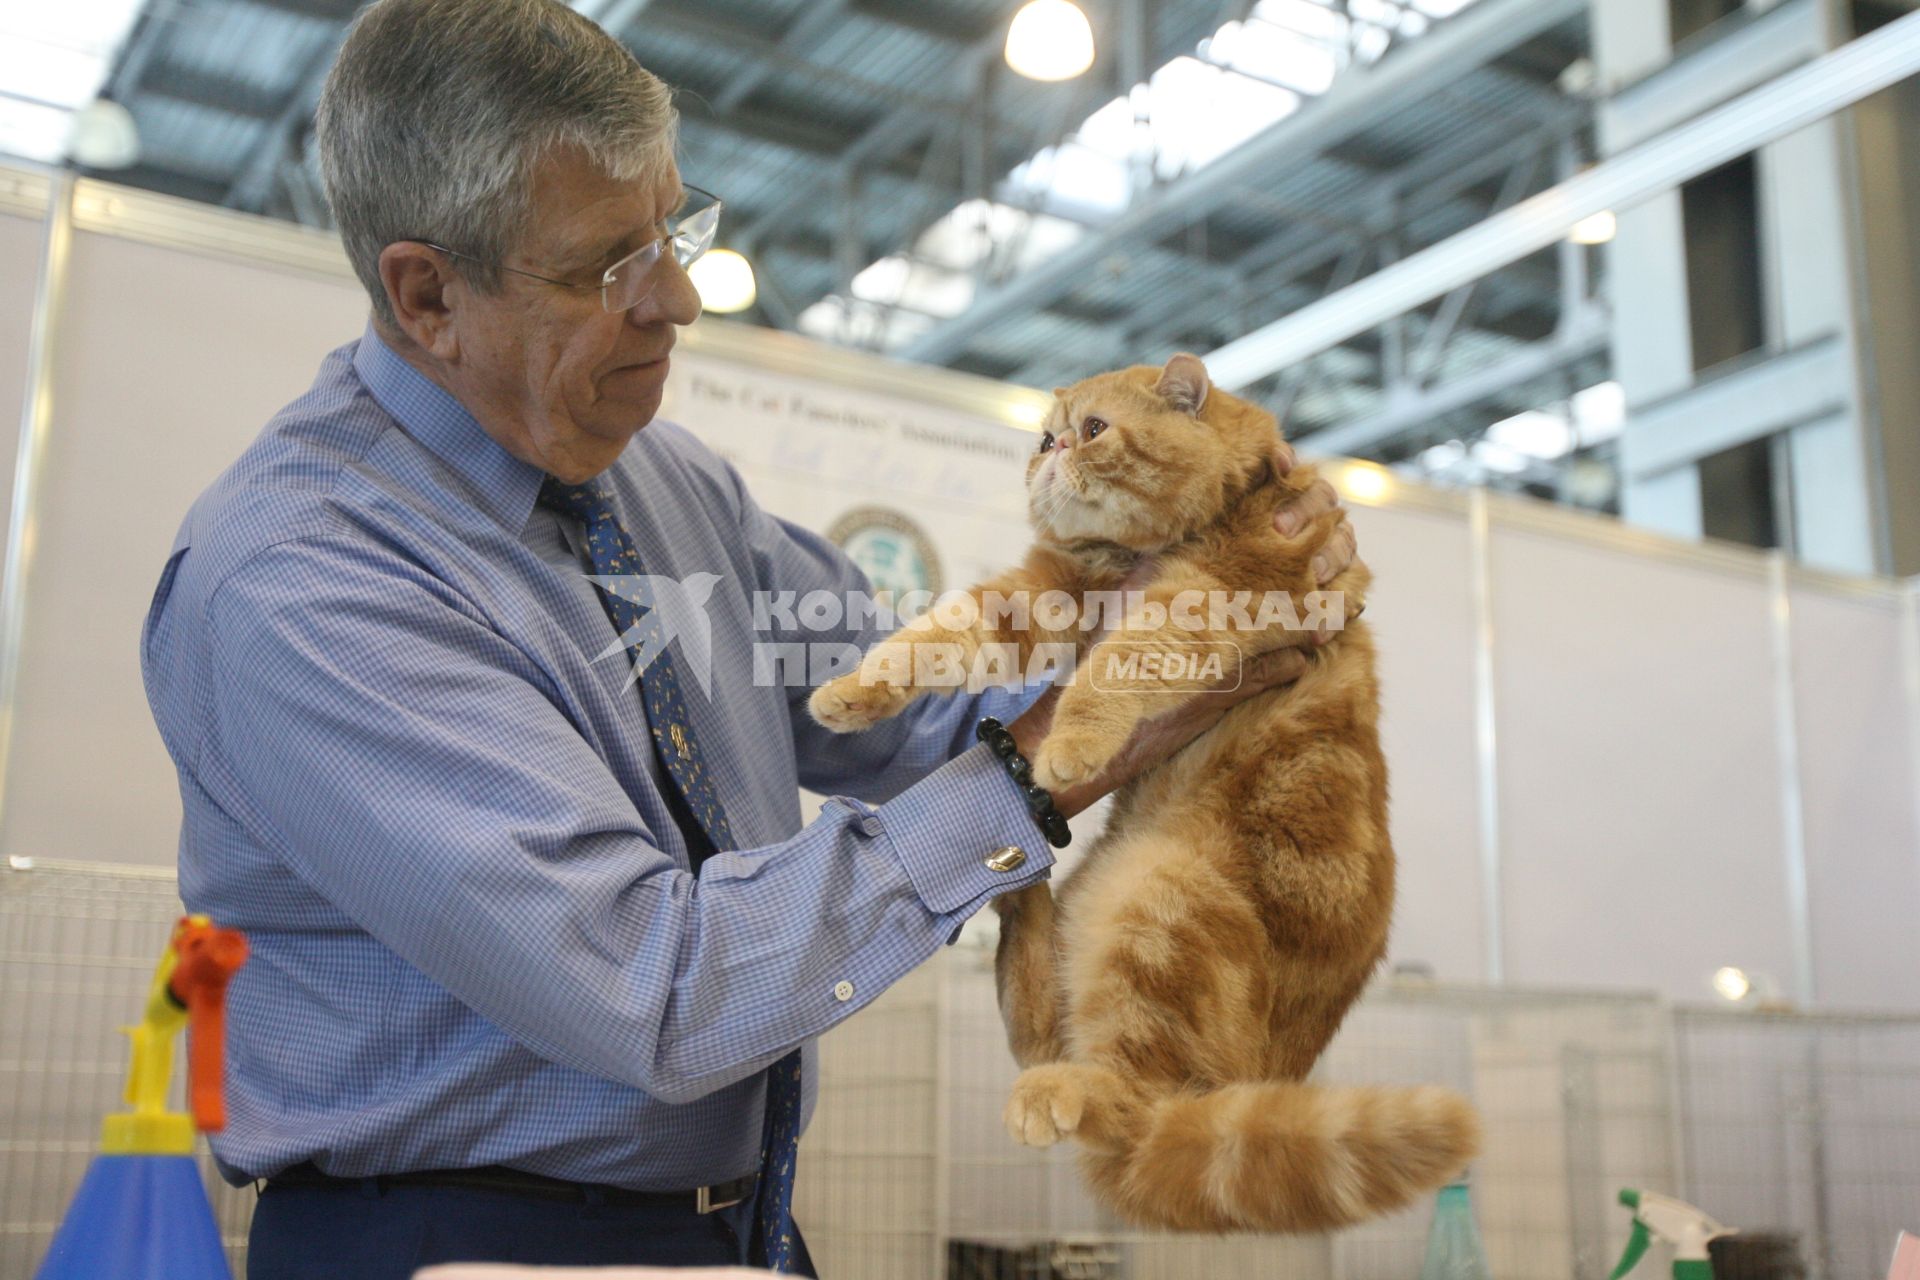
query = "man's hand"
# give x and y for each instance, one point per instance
(1332, 560)
(1337, 555)
(1162, 736)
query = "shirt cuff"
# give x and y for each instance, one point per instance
(950, 828)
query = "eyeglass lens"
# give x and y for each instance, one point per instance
(632, 282)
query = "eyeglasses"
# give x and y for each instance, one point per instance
(631, 281)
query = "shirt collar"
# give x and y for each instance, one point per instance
(505, 486)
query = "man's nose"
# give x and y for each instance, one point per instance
(674, 299)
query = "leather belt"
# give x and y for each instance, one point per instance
(721, 1195)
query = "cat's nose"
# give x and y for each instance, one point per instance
(1063, 441)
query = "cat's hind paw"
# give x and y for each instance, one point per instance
(1046, 1105)
(855, 701)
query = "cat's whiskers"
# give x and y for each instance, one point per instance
(1055, 499)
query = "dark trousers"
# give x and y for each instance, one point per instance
(365, 1232)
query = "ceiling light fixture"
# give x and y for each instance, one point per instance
(104, 136)
(1050, 40)
(725, 281)
(1364, 482)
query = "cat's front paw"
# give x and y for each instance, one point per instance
(1070, 756)
(1046, 1105)
(857, 701)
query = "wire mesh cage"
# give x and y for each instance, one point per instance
(869, 1183)
(1801, 1125)
(1573, 1090)
(78, 945)
(1804, 1125)
(1808, 1124)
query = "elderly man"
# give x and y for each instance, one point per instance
(539, 951)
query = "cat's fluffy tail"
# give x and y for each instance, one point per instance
(1288, 1157)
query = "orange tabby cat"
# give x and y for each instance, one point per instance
(1168, 1004)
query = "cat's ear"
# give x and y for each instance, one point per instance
(1060, 393)
(1183, 384)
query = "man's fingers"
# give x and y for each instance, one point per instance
(1336, 556)
(1141, 573)
(1281, 666)
(1305, 509)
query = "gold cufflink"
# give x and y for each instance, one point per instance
(1007, 858)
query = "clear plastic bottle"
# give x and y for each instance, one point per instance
(1454, 1251)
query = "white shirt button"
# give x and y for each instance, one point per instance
(843, 991)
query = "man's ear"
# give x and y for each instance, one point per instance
(1183, 384)
(418, 280)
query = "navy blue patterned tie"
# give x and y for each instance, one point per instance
(703, 820)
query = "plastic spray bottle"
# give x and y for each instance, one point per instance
(141, 1212)
(1676, 1223)
(1454, 1251)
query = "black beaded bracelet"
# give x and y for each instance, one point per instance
(999, 740)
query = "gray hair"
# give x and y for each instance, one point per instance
(437, 112)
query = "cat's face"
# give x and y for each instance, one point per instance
(1143, 457)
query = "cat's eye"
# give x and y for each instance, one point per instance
(1094, 426)
(1046, 441)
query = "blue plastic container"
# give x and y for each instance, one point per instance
(138, 1218)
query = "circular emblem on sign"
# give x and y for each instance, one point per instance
(896, 553)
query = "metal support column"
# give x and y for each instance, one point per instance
(1486, 753)
(1793, 825)
(36, 424)
(1910, 666)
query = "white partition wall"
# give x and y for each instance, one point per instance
(166, 364)
(1421, 609)
(1617, 761)
(1639, 767)
(1853, 658)
(1701, 758)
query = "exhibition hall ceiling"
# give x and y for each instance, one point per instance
(898, 187)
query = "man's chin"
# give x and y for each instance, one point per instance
(623, 412)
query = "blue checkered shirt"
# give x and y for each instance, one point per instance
(440, 821)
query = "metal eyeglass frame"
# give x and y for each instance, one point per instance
(691, 235)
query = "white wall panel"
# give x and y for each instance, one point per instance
(1422, 618)
(1857, 773)
(1639, 773)
(167, 365)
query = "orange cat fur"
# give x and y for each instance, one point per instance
(1169, 1002)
